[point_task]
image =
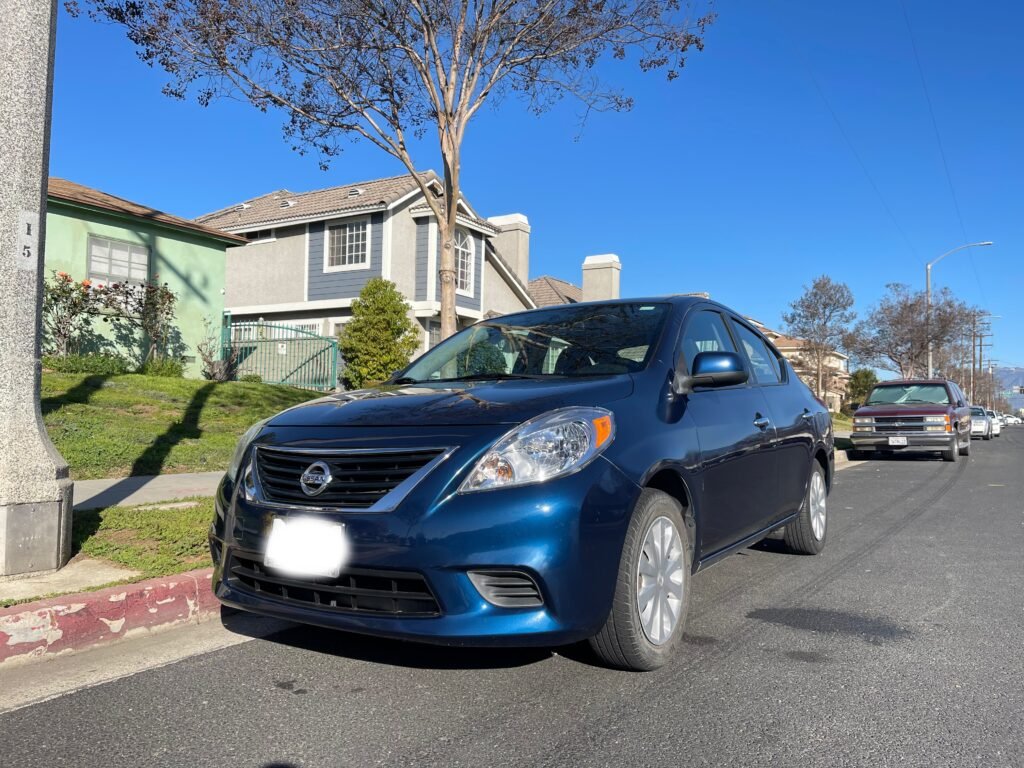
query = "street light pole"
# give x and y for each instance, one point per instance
(928, 293)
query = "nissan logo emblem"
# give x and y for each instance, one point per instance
(315, 479)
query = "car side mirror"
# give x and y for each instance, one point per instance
(712, 369)
(855, 406)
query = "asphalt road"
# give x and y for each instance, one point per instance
(900, 645)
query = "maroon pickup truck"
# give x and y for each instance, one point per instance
(913, 415)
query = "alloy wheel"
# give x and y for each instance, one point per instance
(660, 575)
(818, 502)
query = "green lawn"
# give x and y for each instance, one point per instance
(116, 426)
(156, 540)
(842, 422)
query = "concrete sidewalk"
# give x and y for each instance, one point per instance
(144, 489)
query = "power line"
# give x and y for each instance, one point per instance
(942, 149)
(856, 155)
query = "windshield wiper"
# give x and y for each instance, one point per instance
(405, 380)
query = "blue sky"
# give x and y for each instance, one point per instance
(736, 179)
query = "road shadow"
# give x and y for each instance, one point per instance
(871, 629)
(397, 653)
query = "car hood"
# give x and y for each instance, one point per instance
(902, 410)
(453, 404)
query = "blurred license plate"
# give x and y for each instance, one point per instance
(897, 441)
(306, 546)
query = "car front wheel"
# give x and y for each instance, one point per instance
(806, 534)
(652, 592)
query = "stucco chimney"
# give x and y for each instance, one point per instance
(513, 242)
(601, 277)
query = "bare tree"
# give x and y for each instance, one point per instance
(385, 70)
(894, 336)
(821, 317)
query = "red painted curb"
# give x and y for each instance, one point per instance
(73, 622)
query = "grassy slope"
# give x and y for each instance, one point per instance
(115, 426)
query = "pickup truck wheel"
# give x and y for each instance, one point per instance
(953, 452)
(806, 534)
(965, 449)
(652, 592)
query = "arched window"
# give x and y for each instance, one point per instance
(463, 262)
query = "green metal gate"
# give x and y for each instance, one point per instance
(283, 354)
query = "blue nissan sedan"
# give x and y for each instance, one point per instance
(537, 479)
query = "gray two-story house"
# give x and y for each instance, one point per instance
(309, 254)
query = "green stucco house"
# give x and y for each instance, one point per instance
(90, 234)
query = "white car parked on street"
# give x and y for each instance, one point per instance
(997, 423)
(981, 424)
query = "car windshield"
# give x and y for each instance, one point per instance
(977, 411)
(572, 341)
(909, 394)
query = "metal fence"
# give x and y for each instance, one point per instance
(284, 354)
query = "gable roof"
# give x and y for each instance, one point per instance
(78, 194)
(547, 291)
(282, 206)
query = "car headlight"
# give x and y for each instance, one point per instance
(551, 445)
(240, 450)
(936, 419)
(863, 420)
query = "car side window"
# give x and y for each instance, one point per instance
(705, 332)
(761, 360)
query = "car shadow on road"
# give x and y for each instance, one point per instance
(399, 653)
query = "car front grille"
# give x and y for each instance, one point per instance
(360, 478)
(896, 425)
(356, 590)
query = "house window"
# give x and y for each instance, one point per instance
(259, 236)
(113, 261)
(463, 262)
(348, 245)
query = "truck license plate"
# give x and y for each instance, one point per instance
(897, 441)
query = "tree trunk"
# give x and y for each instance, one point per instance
(821, 366)
(446, 230)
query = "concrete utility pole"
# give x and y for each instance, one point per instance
(928, 294)
(35, 490)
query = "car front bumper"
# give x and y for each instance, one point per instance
(919, 441)
(566, 535)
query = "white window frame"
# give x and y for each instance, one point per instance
(365, 220)
(471, 272)
(110, 278)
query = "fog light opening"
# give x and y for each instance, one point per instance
(507, 588)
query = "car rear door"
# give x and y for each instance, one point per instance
(735, 434)
(792, 411)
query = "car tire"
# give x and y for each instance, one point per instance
(953, 452)
(625, 641)
(807, 533)
(965, 449)
(988, 435)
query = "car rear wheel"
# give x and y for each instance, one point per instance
(652, 592)
(988, 435)
(806, 534)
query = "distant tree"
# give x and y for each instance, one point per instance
(385, 70)
(822, 318)
(894, 335)
(861, 382)
(380, 338)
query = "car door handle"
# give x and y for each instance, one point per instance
(762, 423)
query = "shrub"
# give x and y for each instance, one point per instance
(68, 310)
(167, 367)
(146, 309)
(251, 378)
(219, 363)
(101, 363)
(380, 337)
